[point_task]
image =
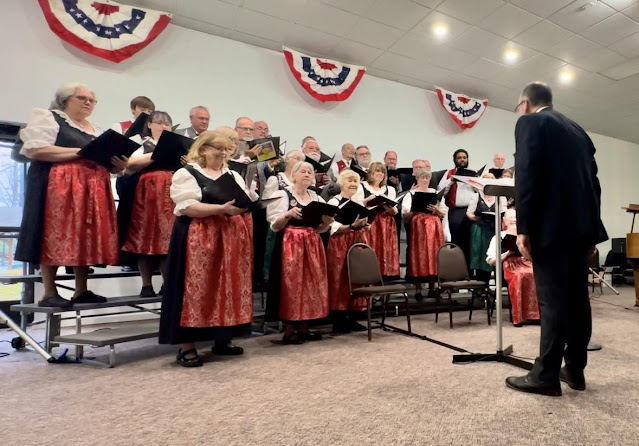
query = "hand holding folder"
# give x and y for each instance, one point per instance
(421, 201)
(313, 212)
(170, 149)
(106, 146)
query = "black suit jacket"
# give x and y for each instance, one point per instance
(557, 191)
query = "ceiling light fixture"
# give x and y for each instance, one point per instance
(566, 77)
(511, 56)
(440, 31)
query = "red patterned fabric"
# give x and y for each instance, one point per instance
(219, 273)
(518, 272)
(80, 222)
(304, 286)
(426, 237)
(451, 197)
(248, 221)
(341, 165)
(384, 242)
(152, 216)
(338, 289)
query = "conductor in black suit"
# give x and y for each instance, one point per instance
(558, 200)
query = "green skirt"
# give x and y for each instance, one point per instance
(480, 237)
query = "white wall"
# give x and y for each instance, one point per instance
(183, 68)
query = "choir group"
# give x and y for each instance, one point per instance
(212, 250)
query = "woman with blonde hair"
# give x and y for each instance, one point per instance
(383, 232)
(425, 236)
(341, 239)
(298, 286)
(208, 291)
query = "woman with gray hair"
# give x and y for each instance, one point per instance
(71, 218)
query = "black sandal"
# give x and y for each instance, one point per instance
(195, 361)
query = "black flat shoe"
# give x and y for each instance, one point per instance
(193, 361)
(356, 326)
(312, 336)
(340, 329)
(88, 297)
(293, 339)
(147, 291)
(529, 385)
(227, 350)
(55, 301)
(575, 382)
(419, 297)
(432, 295)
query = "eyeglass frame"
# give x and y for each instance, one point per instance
(85, 99)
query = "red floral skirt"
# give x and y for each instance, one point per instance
(219, 273)
(152, 216)
(248, 220)
(518, 272)
(426, 237)
(338, 289)
(80, 222)
(383, 237)
(304, 286)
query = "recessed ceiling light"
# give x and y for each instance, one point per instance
(511, 56)
(440, 31)
(566, 77)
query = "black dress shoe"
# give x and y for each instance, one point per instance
(419, 297)
(356, 326)
(147, 291)
(312, 336)
(227, 350)
(89, 297)
(574, 381)
(527, 384)
(293, 339)
(55, 301)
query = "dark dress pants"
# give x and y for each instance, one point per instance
(561, 277)
(459, 226)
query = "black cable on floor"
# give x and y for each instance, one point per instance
(3, 354)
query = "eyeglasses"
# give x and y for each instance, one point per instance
(517, 108)
(246, 129)
(262, 128)
(86, 99)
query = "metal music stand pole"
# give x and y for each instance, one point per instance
(502, 355)
(28, 339)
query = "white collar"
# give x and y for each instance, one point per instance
(540, 109)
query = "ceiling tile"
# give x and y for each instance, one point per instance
(328, 19)
(543, 36)
(393, 63)
(632, 12)
(581, 14)
(485, 69)
(430, 3)
(158, 5)
(375, 34)
(204, 27)
(349, 51)
(401, 14)
(455, 27)
(509, 21)
(256, 41)
(573, 48)
(479, 42)
(261, 25)
(471, 12)
(214, 11)
(611, 29)
(419, 47)
(540, 67)
(542, 8)
(310, 41)
(629, 46)
(600, 60)
(234, 2)
(355, 6)
(289, 10)
(620, 4)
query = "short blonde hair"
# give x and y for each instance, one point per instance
(508, 172)
(230, 134)
(488, 175)
(347, 174)
(208, 138)
(423, 172)
(301, 164)
(294, 154)
(376, 167)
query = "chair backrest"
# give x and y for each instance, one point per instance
(451, 264)
(363, 267)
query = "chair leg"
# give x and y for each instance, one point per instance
(407, 313)
(472, 301)
(385, 300)
(450, 308)
(369, 304)
(488, 306)
(437, 302)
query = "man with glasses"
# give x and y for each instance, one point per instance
(558, 225)
(200, 119)
(363, 157)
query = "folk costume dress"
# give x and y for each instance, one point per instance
(338, 246)
(273, 184)
(518, 273)
(70, 216)
(210, 267)
(152, 217)
(298, 285)
(482, 231)
(425, 237)
(383, 233)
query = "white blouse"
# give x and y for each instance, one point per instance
(42, 129)
(491, 252)
(278, 207)
(407, 201)
(472, 206)
(185, 190)
(273, 184)
(335, 202)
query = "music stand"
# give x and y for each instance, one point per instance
(501, 355)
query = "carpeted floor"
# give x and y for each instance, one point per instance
(344, 390)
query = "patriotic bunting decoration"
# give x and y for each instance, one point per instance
(464, 110)
(325, 80)
(104, 28)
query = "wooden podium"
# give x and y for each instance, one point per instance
(632, 248)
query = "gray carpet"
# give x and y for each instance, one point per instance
(341, 391)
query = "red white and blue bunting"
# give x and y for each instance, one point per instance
(325, 80)
(465, 111)
(104, 28)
